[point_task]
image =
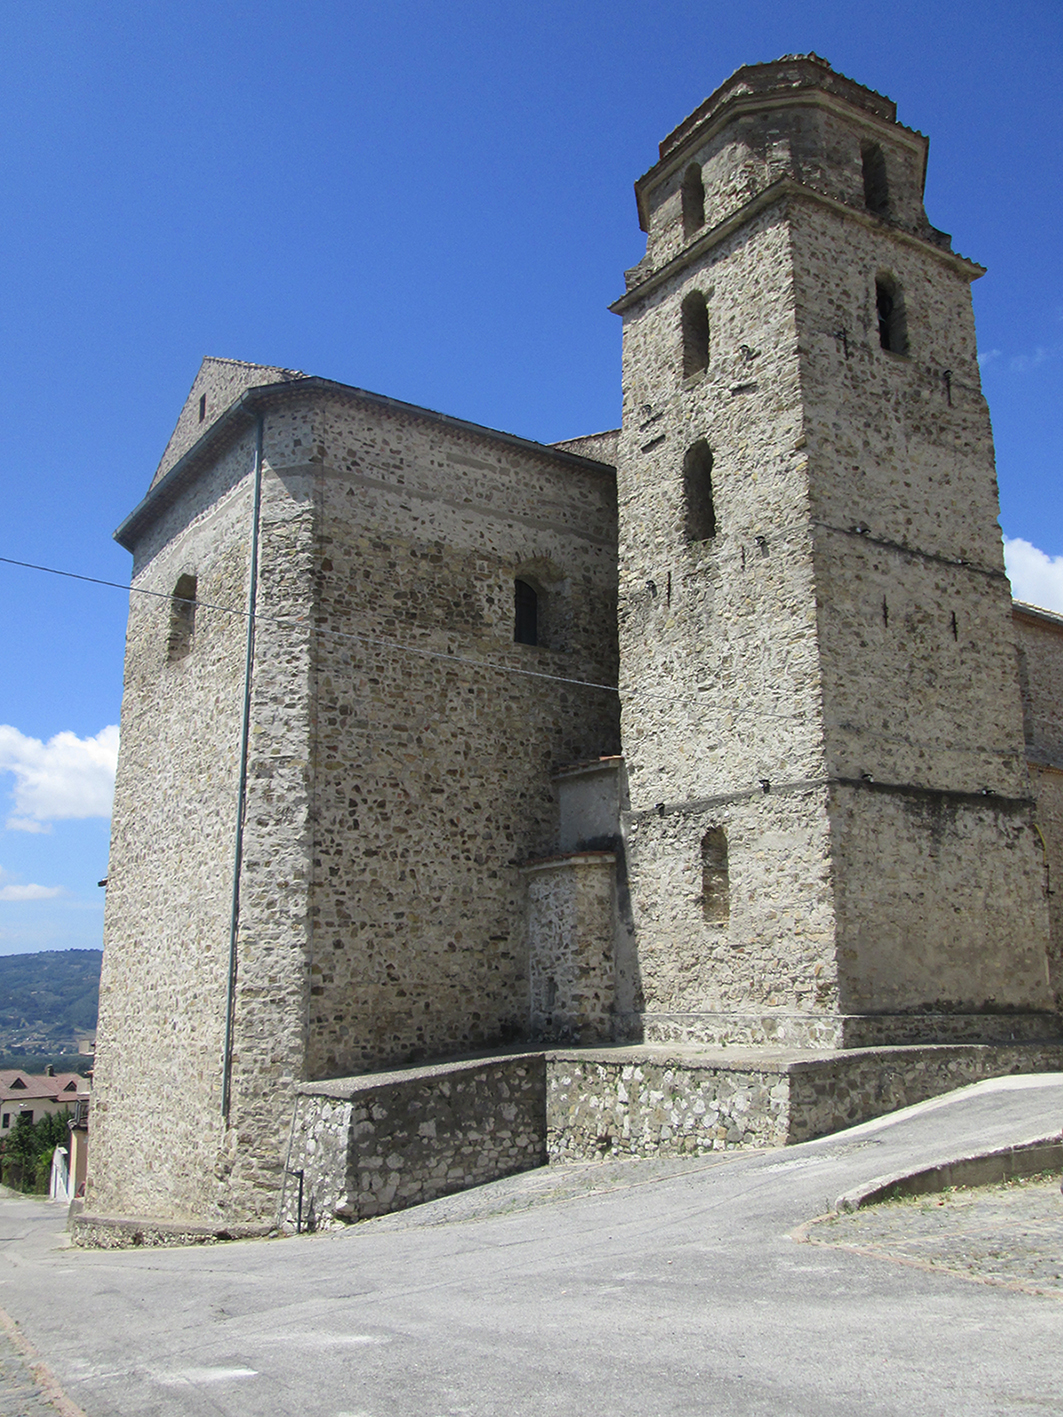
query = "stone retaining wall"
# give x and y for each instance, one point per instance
(653, 1105)
(843, 1089)
(383, 1141)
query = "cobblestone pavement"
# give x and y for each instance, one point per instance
(1011, 1234)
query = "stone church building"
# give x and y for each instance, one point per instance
(717, 731)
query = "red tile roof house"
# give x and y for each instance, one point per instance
(37, 1094)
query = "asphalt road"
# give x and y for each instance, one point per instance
(638, 1289)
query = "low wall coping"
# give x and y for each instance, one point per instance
(571, 858)
(346, 1089)
(694, 1057)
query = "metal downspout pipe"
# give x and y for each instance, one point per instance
(241, 795)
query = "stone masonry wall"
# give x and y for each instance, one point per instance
(1047, 784)
(156, 1114)
(1039, 642)
(379, 1143)
(809, 142)
(720, 682)
(646, 1105)
(571, 914)
(392, 796)
(947, 921)
(433, 767)
(656, 1101)
(847, 619)
(940, 899)
(274, 940)
(217, 385)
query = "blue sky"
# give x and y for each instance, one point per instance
(429, 200)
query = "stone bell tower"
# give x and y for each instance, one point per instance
(830, 837)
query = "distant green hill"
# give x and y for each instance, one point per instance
(46, 1000)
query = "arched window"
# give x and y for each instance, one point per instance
(695, 320)
(892, 322)
(525, 613)
(715, 877)
(693, 200)
(182, 618)
(699, 508)
(876, 184)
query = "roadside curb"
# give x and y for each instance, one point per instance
(123, 1232)
(986, 1168)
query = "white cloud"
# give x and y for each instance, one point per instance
(66, 777)
(1035, 577)
(29, 892)
(16, 892)
(988, 357)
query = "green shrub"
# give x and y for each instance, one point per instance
(26, 1151)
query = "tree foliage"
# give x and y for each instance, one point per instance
(26, 1152)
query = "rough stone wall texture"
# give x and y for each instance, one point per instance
(218, 383)
(940, 901)
(650, 1101)
(1039, 637)
(720, 679)
(602, 447)
(433, 777)
(161, 1021)
(651, 1106)
(274, 943)
(380, 1143)
(571, 914)
(845, 627)
(864, 1083)
(1039, 643)
(392, 796)
(1047, 785)
(742, 149)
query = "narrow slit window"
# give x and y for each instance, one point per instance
(715, 877)
(525, 613)
(202, 407)
(699, 506)
(182, 618)
(695, 312)
(892, 322)
(693, 200)
(876, 184)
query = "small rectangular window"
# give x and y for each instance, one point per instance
(182, 618)
(693, 200)
(715, 877)
(876, 183)
(694, 316)
(699, 504)
(892, 321)
(525, 614)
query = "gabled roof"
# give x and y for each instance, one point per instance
(19, 1086)
(219, 383)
